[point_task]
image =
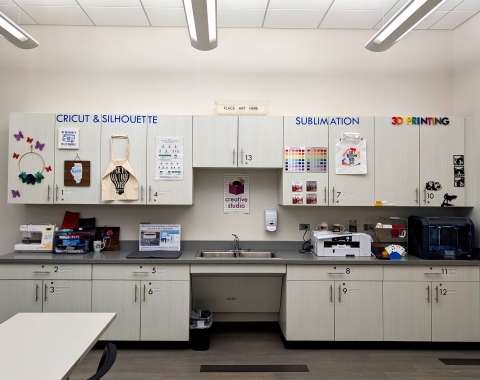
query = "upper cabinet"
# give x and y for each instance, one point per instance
(231, 141)
(351, 189)
(169, 161)
(397, 158)
(31, 149)
(304, 178)
(125, 137)
(77, 159)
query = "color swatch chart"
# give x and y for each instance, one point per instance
(294, 159)
(316, 160)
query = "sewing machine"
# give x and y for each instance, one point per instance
(327, 243)
(36, 238)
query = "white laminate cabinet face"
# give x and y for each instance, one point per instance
(88, 150)
(162, 192)
(397, 163)
(46, 271)
(20, 296)
(334, 272)
(352, 190)
(141, 272)
(446, 273)
(31, 132)
(67, 296)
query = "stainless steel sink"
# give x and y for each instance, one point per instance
(245, 254)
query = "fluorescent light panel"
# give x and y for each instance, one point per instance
(413, 13)
(201, 18)
(16, 35)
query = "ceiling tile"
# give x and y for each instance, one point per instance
(41, 3)
(58, 15)
(399, 5)
(242, 4)
(162, 3)
(449, 5)
(453, 19)
(12, 13)
(363, 5)
(425, 24)
(280, 18)
(299, 4)
(351, 19)
(110, 3)
(166, 16)
(117, 16)
(6, 2)
(388, 16)
(469, 5)
(240, 18)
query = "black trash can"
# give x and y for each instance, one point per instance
(200, 323)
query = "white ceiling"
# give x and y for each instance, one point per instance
(282, 14)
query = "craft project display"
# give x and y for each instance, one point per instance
(29, 178)
(76, 172)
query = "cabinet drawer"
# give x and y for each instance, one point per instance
(334, 272)
(45, 271)
(141, 272)
(431, 273)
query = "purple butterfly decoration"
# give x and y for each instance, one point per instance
(18, 136)
(39, 145)
(15, 193)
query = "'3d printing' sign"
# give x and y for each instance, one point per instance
(413, 120)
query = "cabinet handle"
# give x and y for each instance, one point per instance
(339, 294)
(46, 291)
(41, 271)
(325, 195)
(416, 195)
(144, 292)
(138, 272)
(234, 156)
(424, 196)
(141, 193)
(149, 193)
(436, 293)
(428, 293)
(331, 293)
(241, 156)
(333, 195)
(432, 273)
(335, 272)
(135, 293)
(48, 193)
(36, 292)
(56, 192)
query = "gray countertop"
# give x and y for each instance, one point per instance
(188, 257)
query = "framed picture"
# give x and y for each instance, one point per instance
(109, 235)
(68, 138)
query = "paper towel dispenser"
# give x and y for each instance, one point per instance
(270, 220)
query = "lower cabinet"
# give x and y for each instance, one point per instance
(146, 310)
(20, 296)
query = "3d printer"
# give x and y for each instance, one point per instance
(445, 237)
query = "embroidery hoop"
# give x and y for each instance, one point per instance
(24, 177)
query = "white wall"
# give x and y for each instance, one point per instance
(154, 70)
(466, 93)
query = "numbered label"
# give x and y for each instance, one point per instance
(159, 271)
(447, 292)
(248, 157)
(61, 269)
(155, 291)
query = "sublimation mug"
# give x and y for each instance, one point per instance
(98, 245)
(338, 228)
(324, 226)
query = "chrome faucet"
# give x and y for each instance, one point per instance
(237, 245)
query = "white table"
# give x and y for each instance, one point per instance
(47, 346)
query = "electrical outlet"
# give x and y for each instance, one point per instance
(303, 227)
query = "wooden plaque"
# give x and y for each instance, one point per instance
(76, 173)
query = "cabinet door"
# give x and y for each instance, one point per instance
(407, 311)
(31, 133)
(161, 190)
(123, 298)
(137, 134)
(260, 141)
(165, 310)
(306, 132)
(455, 312)
(310, 310)
(77, 189)
(67, 296)
(215, 141)
(20, 296)
(442, 150)
(352, 189)
(358, 310)
(397, 163)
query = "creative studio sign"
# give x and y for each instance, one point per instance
(107, 118)
(414, 120)
(327, 120)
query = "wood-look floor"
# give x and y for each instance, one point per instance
(267, 348)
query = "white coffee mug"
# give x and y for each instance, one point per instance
(98, 245)
(324, 226)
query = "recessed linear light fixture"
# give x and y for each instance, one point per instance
(202, 23)
(16, 35)
(407, 18)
